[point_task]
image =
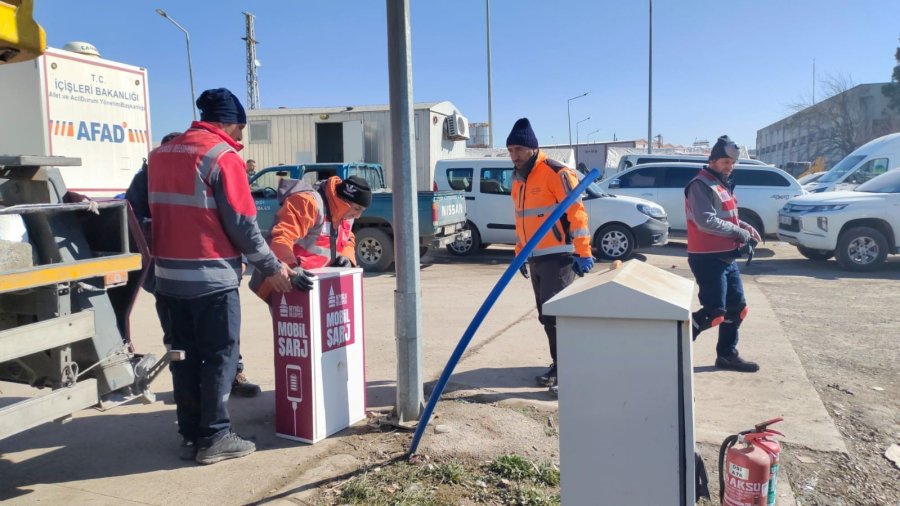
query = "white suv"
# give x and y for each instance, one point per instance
(761, 190)
(858, 227)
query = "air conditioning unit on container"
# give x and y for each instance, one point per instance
(457, 127)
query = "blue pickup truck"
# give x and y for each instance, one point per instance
(442, 214)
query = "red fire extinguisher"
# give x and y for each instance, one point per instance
(748, 473)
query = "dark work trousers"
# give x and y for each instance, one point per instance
(208, 330)
(167, 331)
(549, 275)
(720, 288)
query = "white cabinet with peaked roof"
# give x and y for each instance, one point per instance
(626, 390)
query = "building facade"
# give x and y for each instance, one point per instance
(353, 134)
(831, 128)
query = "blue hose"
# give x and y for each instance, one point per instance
(488, 303)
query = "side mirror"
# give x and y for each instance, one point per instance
(614, 183)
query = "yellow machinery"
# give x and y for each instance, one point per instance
(21, 38)
(817, 166)
(70, 270)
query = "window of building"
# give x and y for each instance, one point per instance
(260, 132)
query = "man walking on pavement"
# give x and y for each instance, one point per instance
(204, 219)
(313, 227)
(716, 237)
(137, 197)
(539, 184)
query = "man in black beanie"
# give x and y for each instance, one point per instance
(559, 255)
(204, 223)
(314, 226)
(715, 237)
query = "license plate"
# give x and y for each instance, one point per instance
(785, 220)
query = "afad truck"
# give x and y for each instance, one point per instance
(76, 104)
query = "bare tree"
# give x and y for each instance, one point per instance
(834, 124)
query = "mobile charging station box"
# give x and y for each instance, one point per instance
(320, 382)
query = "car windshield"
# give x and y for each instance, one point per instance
(888, 182)
(841, 169)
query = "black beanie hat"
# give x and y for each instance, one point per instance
(356, 190)
(725, 148)
(522, 135)
(221, 106)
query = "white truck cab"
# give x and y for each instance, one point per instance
(860, 228)
(868, 161)
(618, 225)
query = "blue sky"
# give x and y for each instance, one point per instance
(719, 67)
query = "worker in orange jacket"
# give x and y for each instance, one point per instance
(314, 226)
(539, 184)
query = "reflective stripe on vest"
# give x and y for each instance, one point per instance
(726, 209)
(207, 168)
(314, 250)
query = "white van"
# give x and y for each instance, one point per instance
(618, 225)
(869, 160)
(629, 161)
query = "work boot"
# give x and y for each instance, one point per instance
(242, 386)
(736, 363)
(231, 446)
(548, 378)
(188, 449)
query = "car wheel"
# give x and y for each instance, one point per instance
(466, 247)
(374, 249)
(614, 242)
(815, 254)
(861, 249)
(753, 221)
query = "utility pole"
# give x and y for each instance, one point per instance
(650, 87)
(408, 316)
(814, 82)
(252, 63)
(487, 5)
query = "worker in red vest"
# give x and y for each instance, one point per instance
(715, 238)
(204, 220)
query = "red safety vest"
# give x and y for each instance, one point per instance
(726, 206)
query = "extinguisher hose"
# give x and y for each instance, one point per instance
(488, 303)
(728, 443)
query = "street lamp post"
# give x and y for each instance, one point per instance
(487, 6)
(577, 124)
(588, 136)
(187, 38)
(569, 111)
(650, 85)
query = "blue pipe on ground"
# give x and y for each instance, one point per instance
(489, 303)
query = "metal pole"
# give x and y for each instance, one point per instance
(408, 318)
(487, 6)
(569, 112)
(577, 124)
(814, 82)
(650, 87)
(187, 38)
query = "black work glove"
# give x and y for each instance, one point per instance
(747, 249)
(524, 271)
(302, 279)
(341, 261)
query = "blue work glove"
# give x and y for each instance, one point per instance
(524, 271)
(581, 265)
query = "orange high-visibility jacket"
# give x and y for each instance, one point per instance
(534, 198)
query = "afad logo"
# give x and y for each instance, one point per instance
(93, 131)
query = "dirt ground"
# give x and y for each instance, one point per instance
(842, 325)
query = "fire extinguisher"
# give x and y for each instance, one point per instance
(748, 473)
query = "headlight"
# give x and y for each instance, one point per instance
(652, 211)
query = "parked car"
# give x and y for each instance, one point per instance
(628, 161)
(761, 190)
(619, 225)
(868, 161)
(442, 215)
(858, 227)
